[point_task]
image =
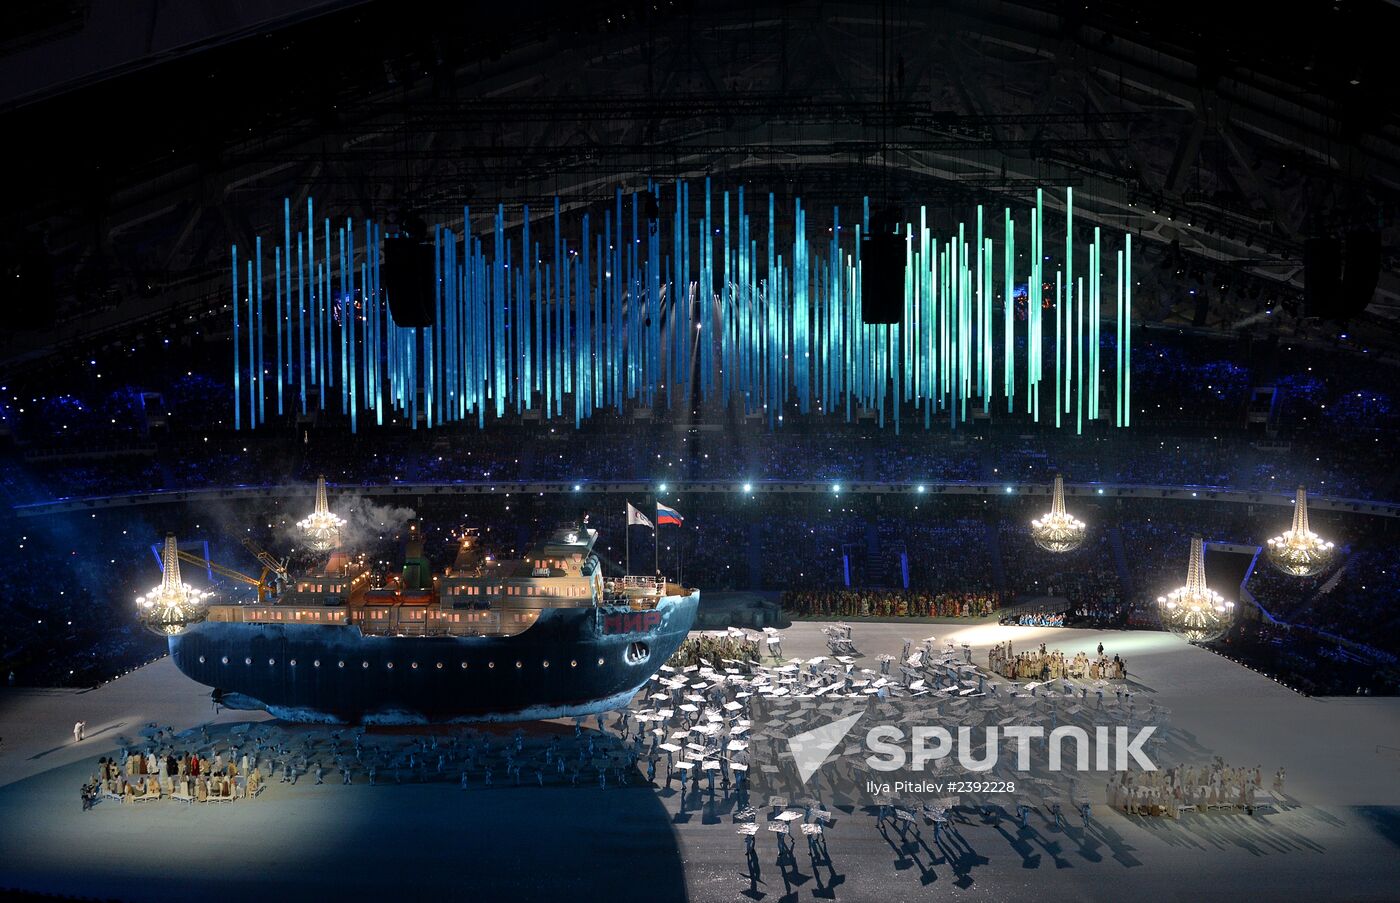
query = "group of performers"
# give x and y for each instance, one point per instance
(1166, 792)
(706, 647)
(1042, 664)
(188, 777)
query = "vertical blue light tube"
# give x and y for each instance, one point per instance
(301, 325)
(287, 266)
(262, 392)
(252, 354)
(277, 298)
(237, 388)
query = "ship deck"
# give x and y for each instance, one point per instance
(329, 841)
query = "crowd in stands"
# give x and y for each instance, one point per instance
(1087, 576)
(1283, 595)
(60, 624)
(1314, 661)
(806, 552)
(1361, 604)
(1143, 615)
(533, 452)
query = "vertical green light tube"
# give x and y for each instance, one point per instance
(1059, 356)
(981, 326)
(1033, 323)
(1069, 343)
(1039, 254)
(988, 326)
(1079, 362)
(960, 333)
(965, 336)
(1095, 315)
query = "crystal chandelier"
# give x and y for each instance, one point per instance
(1195, 611)
(1300, 552)
(168, 608)
(322, 529)
(1058, 531)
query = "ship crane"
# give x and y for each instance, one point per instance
(264, 588)
(269, 563)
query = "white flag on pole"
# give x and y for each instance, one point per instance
(636, 517)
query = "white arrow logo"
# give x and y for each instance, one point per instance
(810, 748)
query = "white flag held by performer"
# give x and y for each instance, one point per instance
(636, 517)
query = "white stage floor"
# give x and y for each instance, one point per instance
(521, 843)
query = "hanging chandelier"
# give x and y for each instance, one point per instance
(1300, 552)
(1195, 611)
(321, 528)
(1058, 531)
(167, 609)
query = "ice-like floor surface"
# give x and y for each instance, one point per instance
(521, 843)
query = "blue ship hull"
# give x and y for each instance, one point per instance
(571, 661)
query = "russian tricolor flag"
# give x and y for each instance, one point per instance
(666, 515)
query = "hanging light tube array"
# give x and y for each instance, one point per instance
(641, 311)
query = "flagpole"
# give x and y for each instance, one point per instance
(627, 538)
(656, 532)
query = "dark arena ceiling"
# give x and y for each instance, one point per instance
(148, 138)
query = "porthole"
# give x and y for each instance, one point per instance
(490, 664)
(546, 663)
(364, 664)
(519, 665)
(272, 661)
(293, 663)
(573, 663)
(340, 664)
(201, 659)
(600, 662)
(414, 666)
(464, 666)
(248, 661)
(316, 663)
(390, 666)
(225, 660)
(439, 666)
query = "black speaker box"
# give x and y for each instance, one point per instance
(882, 278)
(1361, 272)
(1322, 277)
(407, 276)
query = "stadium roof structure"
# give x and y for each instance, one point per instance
(1223, 136)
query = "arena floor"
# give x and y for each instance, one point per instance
(1342, 758)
